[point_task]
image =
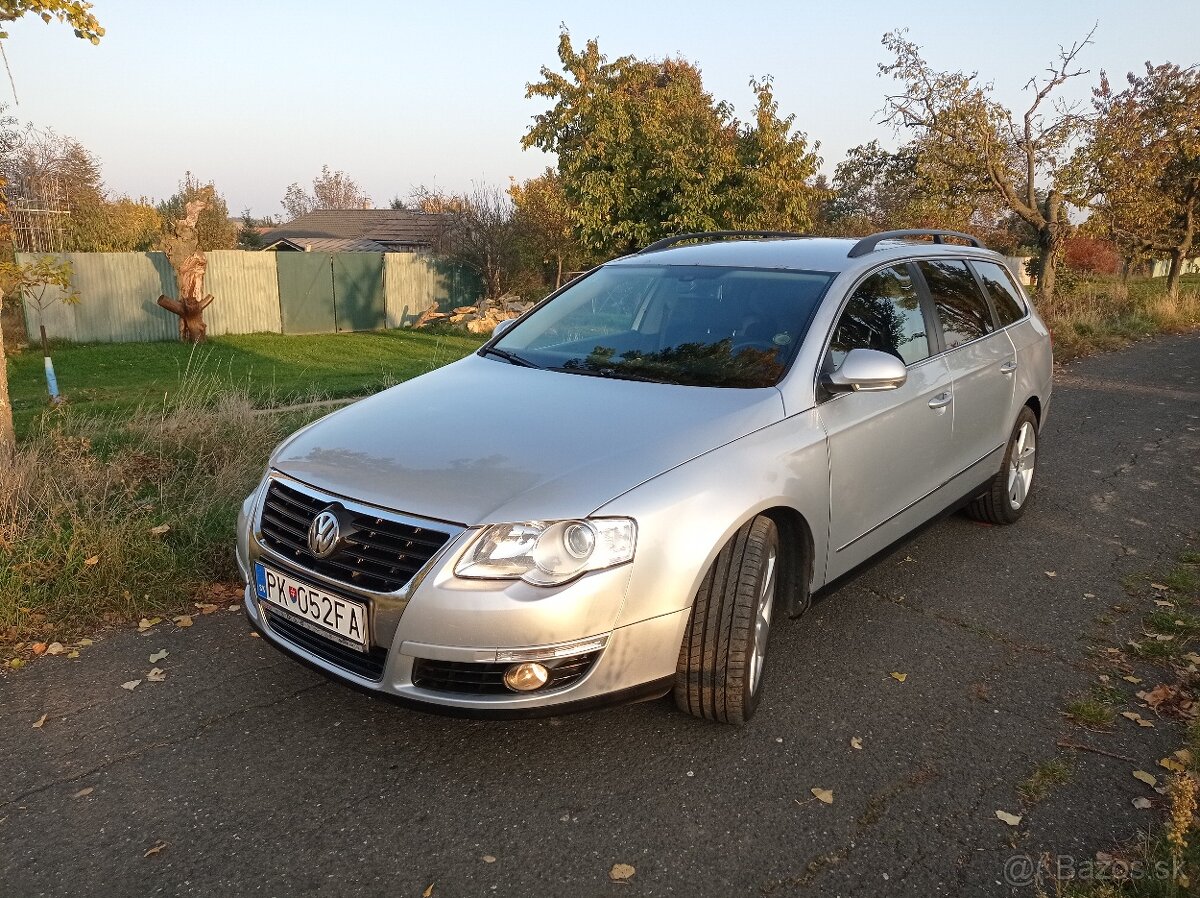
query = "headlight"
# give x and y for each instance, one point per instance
(547, 553)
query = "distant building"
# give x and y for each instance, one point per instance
(356, 231)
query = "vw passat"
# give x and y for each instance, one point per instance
(619, 496)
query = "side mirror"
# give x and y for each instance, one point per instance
(866, 371)
(503, 326)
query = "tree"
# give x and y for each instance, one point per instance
(30, 282)
(75, 13)
(248, 235)
(545, 224)
(186, 255)
(645, 151)
(1142, 162)
(214, 230)
(478, 229)
(771, 186)
(876, 189)
(331, 190)
(130, 226)
(976, 137)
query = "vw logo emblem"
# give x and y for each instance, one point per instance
(323, 534)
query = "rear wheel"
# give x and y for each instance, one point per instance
(719, 675)
(1009, 492)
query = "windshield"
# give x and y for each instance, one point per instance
(708, 327)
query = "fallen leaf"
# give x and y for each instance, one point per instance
(1051, 574)
(158, 656)
(621, 872)
(1089, 595)
(40, 722)
(73, 654)
(84, 642)
(38, 648)
(1192, 657)
(1160, 587)
(825, 796)
(16, 663)
(1163, 603)
(1010, 819)
(1184, 756)
(155, 848)
(234, 608)
(428, 891)
(254, 635)
(83, 793)
(489, 859)
(156, 675)
(183, 620)
(899, 677)
(160, 529)
(55, 648)
(206, 608)
(147, 622)
(131, 685)
(95, 559)
(1148, 778)
(1129, 678)
(856, 743)
(1141, 803)
(1172, 765)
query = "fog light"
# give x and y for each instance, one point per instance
(526, 677)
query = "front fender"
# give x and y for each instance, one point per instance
(686, 515)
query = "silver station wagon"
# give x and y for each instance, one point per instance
(616, 497)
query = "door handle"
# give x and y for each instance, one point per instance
(1008, 367)
(941, 400)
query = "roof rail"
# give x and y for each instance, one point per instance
(714, 235)
(868, 244)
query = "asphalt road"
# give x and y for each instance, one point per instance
(263, 778)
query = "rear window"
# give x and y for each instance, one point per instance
(997, 279)
(961, 308)
(695, 325)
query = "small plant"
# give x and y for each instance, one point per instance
(1045, 776)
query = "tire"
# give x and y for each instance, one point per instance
(719, 675)
(1009, 492)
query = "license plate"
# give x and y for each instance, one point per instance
(339, 619)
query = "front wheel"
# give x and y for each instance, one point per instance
(719, 675)
(1009, 492)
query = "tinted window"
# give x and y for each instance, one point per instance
(1005, 295)
(963, 311)
(884, 313)
(695, 325)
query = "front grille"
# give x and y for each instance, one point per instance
(376, 553)
(487, 678)
(369, 664)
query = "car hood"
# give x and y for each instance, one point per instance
(485, 441)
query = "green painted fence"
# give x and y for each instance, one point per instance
(284, 292)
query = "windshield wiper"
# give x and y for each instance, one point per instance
(510, 357)
(613, 374)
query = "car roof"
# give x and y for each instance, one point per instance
(828, 254)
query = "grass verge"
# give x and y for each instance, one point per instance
(103, 522)
(117, 379)
(1102, 314)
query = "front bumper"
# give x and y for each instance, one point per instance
(438, 619)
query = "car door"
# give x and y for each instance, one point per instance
(981, 360)
(886, 450)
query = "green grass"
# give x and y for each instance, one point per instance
(159, 434)
(1044, 777)
(1096, 710)
(269, 369)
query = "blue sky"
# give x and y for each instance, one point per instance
(256, 95)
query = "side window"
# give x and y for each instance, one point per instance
(1006, 297)
(963, 311)
(884, 313)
